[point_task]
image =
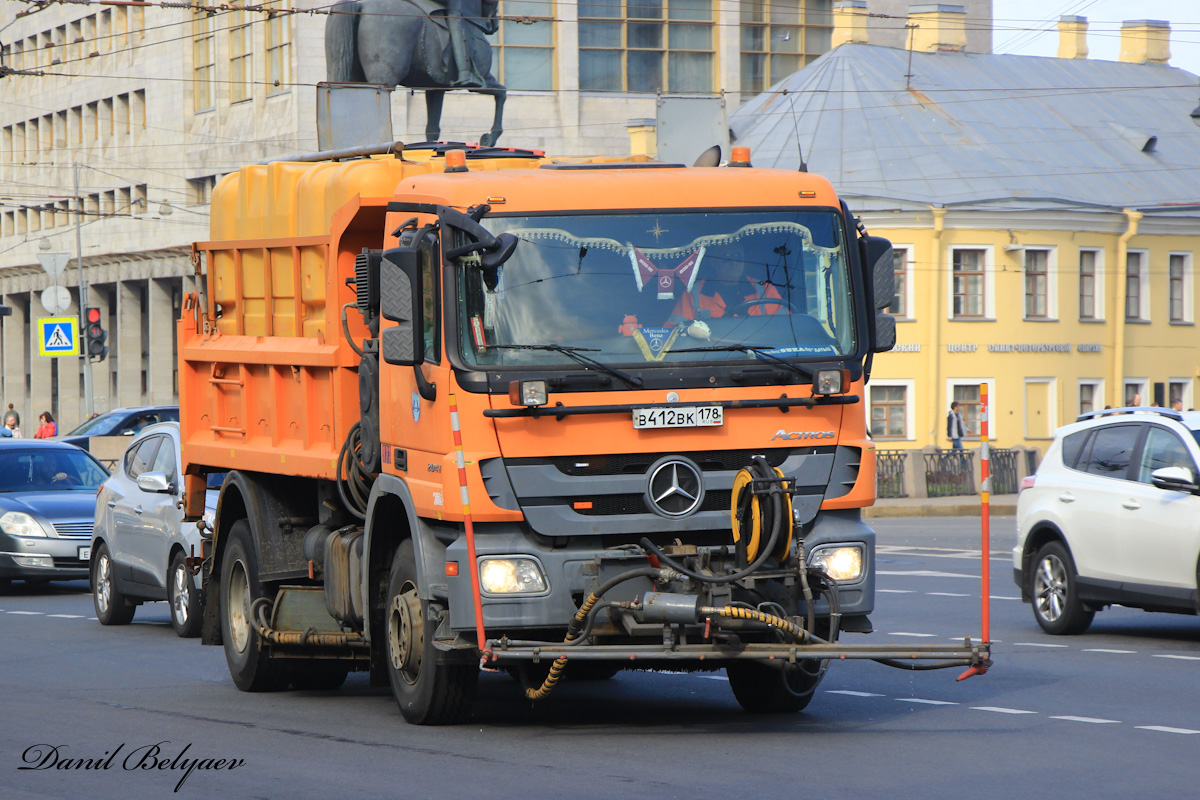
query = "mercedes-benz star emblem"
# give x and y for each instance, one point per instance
(675, 488)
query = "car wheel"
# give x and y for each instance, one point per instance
(183, 598)
(112, 607)
(427, 692)
(1056, 604)
(249, 664)
(760, 689)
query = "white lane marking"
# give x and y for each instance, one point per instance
(1001, 597)
(906, 633)
(1001, 710)
(926, 702)
(926, 573)
(30, 613)
(946, 594)
(1181, 658)
(968, 636)
(895, 591)
(853, 694)
(1039, 644)
(67, 616)
(713, 677)
(1164, 729)
(1107, 650)
(1092, 720)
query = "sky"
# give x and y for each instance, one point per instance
(1014, 17)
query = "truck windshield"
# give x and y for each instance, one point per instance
(641, 289)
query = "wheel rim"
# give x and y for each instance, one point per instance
(103, 583)
(1050, 585)
(179, 598)
(406, 633)
(237, 605)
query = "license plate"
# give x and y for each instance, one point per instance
(85, 554)
(678, 417)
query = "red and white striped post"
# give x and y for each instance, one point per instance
(473, 562)
(985, 515)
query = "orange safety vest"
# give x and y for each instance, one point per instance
(715, 304)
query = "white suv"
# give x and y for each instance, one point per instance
(1112, 517)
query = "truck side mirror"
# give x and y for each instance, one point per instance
(877, 254)
(401, 300)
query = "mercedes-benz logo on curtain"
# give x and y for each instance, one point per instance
(675, 487)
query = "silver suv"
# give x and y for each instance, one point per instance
(1112, 517)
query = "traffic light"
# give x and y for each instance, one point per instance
(96, 348)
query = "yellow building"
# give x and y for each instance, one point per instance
(1045, 214)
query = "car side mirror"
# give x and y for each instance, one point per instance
(155, 482)
(1175, 479)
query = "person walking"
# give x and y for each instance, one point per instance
(956, 428)
(11, 423)
(47, 427)
(12, 412)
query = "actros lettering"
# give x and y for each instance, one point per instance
(795, 435)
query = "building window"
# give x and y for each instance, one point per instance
(638, 46)
(889, 411)
(1136, 392)
(204, 61)
(1136, 280)
(1179, 390)
(779, 37)
(525, 52)
(969, 288)
(1037, 284)
(278, 46)
(970, 405)
(201, 189)
(1089, 285)
(1180, 287)
(241, 56)
(899, 306)
(1091, 396)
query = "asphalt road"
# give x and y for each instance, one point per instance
(1115, 712)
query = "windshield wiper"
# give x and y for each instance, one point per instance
(575, 354)
(758, 350)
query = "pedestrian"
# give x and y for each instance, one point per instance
(47, 427)
(11, 411)
(1177, 405)
(956, 428)
(10, 422)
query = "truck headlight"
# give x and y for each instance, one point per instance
(14, 523)
(843, 563)
(511, 576)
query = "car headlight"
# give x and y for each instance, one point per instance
(14, 523)
(511, 576)
(843, 563)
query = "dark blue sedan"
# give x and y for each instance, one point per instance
(47, 506)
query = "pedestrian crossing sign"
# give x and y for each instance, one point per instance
(59, 336)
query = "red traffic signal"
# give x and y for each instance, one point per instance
(95, 333)
(93, 316)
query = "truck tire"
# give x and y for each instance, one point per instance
(760, 689)
(1055, 588)
(112, 607)
(427, 692)
(184, 598)
(249, 665)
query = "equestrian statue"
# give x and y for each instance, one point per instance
(421, 44)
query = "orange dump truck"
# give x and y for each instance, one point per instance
(488, 409)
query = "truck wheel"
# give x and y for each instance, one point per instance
(1056, 604)
(112, 607)
(764, 690)
(183, 598)
(249, 665)
(427, 692)
(317, 677)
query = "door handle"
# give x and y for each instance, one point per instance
(112, 503)
(1067, 497)
(1132, 505)
(137, 509)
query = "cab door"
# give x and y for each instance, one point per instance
(1159, 529)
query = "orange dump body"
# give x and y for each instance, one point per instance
(268, 379)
